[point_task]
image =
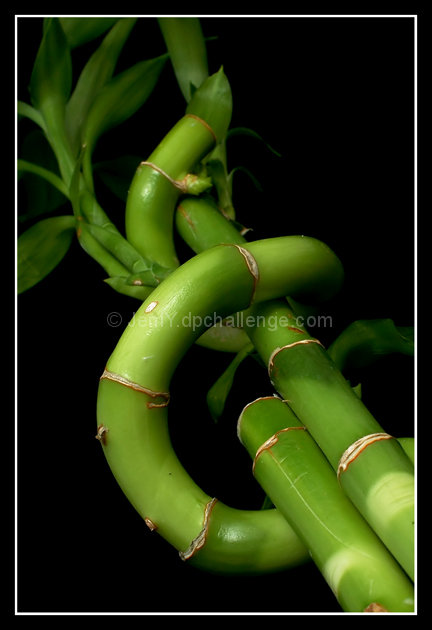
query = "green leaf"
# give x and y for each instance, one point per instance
(51, 78)
(95, 74)
(50, 87)
(218, 393)
(212, 102)
(41, 189)
(365, 341)
(45, 174)
(187, 49)
(41, 248)
(140, 270)
(245, 131)
(248, 173)
(120, 98)
(81, 30)
(24, 110)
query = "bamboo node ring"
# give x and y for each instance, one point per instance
(199, 541)
(300, 342)
(272, 441)
(357, 447)
(180, 185)
(117, 378)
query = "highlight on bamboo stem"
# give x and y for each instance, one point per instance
(380, 482)
(291, 467)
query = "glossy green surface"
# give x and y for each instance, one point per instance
(136, 441)
(152, 197)
(335, 416)
(302, 485)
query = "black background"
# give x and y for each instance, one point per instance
(335, 97)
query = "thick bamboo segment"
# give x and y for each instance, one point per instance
(379, 477)
(297, 477)
(133, 400)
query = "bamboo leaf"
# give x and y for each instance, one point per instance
(120, 98)
(50, 86)
(95, 74)
(245, 131)
(43, 190)
(51, 78)
(44, 173)
(141, 271)
(212, 102)
(41, 248)
(248, 173)
(365, 341)
(81, 30)
(187, 49)
(24, 110)
(218, 393)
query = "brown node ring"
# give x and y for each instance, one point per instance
(199, 541)
(271, 442)
(117, 378)
(357, 447)
(276, 351)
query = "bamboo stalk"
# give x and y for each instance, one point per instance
(323, 399)
(154, 191)
(375, 473)
(297, 477)
(134, 394)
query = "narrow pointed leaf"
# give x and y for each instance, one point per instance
(41, 248)
(81, 30)
(50, 87)
(365, 341)
(248, 173)
(43, 191)
(212, 102)
(218, 393)
(44, 173)
(95, 74)
(51, 78)
(125, 253)
(120, 98)
(245, 131)
(187, 49)
(24, 110)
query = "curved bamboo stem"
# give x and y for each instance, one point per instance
(136, 441)
(155, 189)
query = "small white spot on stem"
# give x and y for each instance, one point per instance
(151, 307)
